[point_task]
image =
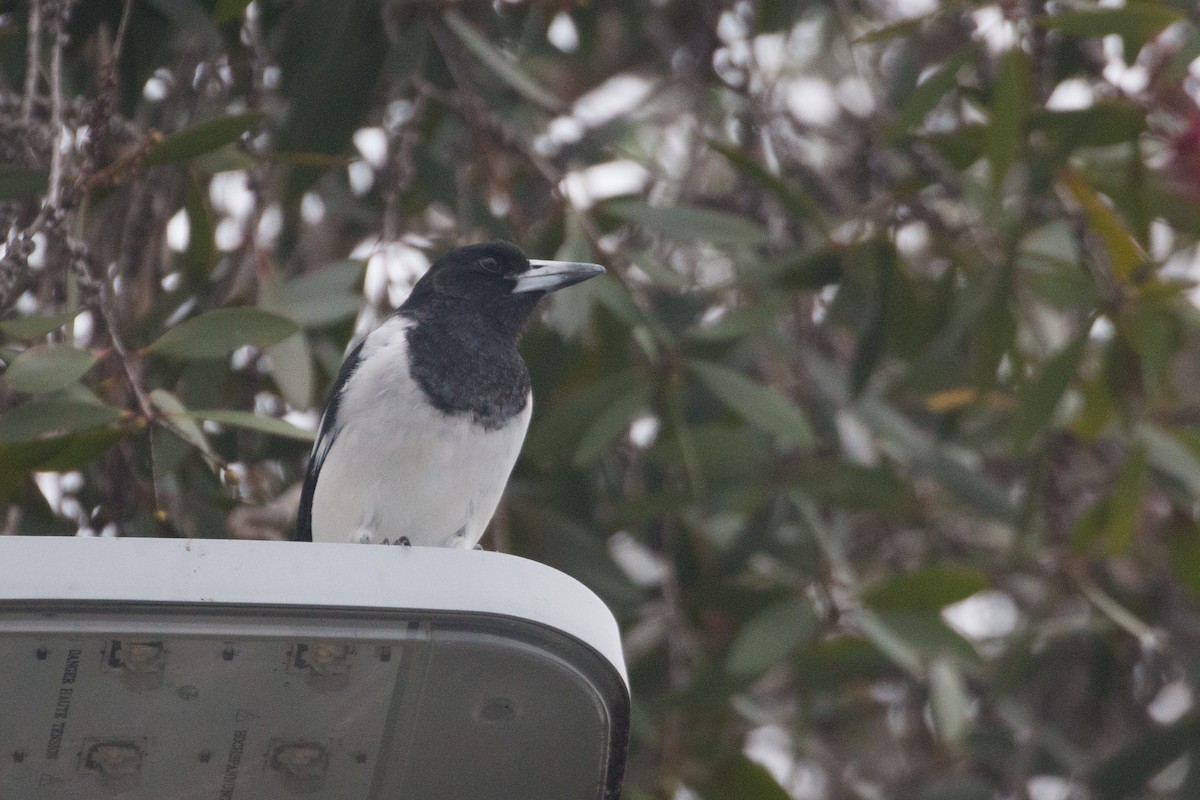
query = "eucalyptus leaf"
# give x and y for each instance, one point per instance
(500, 63)
(770, 635)
(1143, 19)
(930, 91)
(910, 445)
(896, 30)
(1168, 454)
(35, 327)
(216, 334)
(762, 406)
(738, 323)
(1108, 526)
(182, 425)
(54, 415)
(203, 137)
(961, 147)
(1124, 253)
(1040, 395)
(337, 276)
(792, 197)
(55, 452)
(47, 368)
(1009, 108)
(255, 422)
(201, 254)
(227, 10)
(687, 223)
(331, 53)
(948, 700)
(1126, 771)
(659, 272)
(1101, 125)
(928, 636)
(610, 423)
(929, 589)
(855, 487)
(798, 272)
(743, 779)
(1135, 23)
(319, 312)
(566, 425)
(292, 368)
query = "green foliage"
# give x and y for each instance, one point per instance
(182, 425)
(19, 183)
(35, 327)
(880, 436)
(47, 368)
(1134, 24)
(1006, 122)
(1124, 253)
(1125, 772)
(689, 224)
(758, 405)
(499, 63)
(948, 700)
(202, 138)
(742, 779)
(1040, 396)
(217, 333)
(929, 589)
(320, 298)
(254, 422)
(770, 636)
(56, 414)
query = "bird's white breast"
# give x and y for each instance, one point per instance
(398, 467)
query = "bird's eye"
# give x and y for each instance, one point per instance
(490, 265)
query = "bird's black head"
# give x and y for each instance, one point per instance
(494, 280)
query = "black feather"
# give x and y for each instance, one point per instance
(463, 367)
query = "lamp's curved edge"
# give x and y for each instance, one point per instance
(221, 571)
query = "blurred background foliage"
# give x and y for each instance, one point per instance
(881, 436)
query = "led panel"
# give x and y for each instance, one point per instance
(137, 668)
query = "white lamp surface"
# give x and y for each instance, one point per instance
(168, 669)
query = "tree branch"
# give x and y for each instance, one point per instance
(59, 37)
(120, 37)
(31, 60)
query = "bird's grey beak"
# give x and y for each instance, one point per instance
(546, 276)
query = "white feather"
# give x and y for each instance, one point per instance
(398, 467)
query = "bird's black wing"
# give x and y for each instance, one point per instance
(326, 433)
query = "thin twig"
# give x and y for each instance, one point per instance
(900, 652)
(120, 38)
(473, 110)
(105, 303)
(31, 60)
(1148, 637)
(56, 116)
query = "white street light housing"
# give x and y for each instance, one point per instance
(173, 669)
